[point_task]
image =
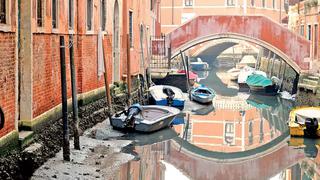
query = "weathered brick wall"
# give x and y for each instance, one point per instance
(46, 68)
(7, 80)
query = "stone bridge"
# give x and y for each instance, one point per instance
(260, 30)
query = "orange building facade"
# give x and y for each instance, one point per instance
(304, 20)
(176, 12)
(30, 31)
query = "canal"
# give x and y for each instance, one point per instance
(239, 136)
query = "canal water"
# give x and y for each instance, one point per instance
(239, 136)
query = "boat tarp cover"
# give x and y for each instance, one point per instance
(258, 80)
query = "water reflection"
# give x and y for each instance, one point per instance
(238, 136)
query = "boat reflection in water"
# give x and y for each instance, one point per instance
(251, 142)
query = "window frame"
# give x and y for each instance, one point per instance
(57, 14)
(42, 14)
(232, 4)
(188, 3)
(71, 15)
(309, 32)
(252, 3)
(103, 16)
(91, 19)
(6, 27)
(263, 3)
(130, 26)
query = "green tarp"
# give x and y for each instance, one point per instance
(258, 80)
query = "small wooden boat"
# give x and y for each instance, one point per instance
(202, 94)
(305, 122)
(165, 95)
(144, 118)
(262, 85)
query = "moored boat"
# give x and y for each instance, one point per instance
(202, 94)
(165, 95)
(234, 73)
(304, 122)
(262, 85)
(144, 118)
(199, 65)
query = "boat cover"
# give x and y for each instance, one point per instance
(258, 80)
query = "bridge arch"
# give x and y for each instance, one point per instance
(259, 30)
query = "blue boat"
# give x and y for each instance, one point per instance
(165, 95)
(203, 94)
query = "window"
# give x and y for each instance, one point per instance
(316, 41)
(302, 30)
(273, 4)
(252, 3)
(188, 2)
(263, 3)
(131, 28)
(3, 12)
(71, 14)
(103, 15)
(230, 2)
(229, 133)
(151, 4)
(89, 14)
(309, 32)
(40, 7)
(54, 13)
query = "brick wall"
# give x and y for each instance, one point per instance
(7, 80)
(46, 68)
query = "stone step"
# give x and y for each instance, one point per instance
(316, 78)
(25, 138)
(310, 82)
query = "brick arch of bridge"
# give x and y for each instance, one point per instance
(255, 29)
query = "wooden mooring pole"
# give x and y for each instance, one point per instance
(66, 143)
(128, 70)
(106, 83)
(75, 123)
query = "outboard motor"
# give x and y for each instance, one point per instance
(132, 111)
(170, 95)
(311, 127)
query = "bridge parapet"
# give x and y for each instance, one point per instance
(261, 30)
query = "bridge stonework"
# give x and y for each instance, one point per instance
(257, 29)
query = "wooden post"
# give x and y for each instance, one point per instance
(74, 96)
(283, 76)
(66, 143)
(106, 83)
(185, 68)
(169, 57)
(295, 84)
(128, 70)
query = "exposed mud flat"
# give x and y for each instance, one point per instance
(97, 159)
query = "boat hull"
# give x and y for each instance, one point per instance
(202, 100)
(199, 66)
(141, 125)
(301, 130)
(267, 91)
(158, 98)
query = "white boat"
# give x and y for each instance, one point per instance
(165, 95)
(199, 65)
(144, 118)
(233, 73)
